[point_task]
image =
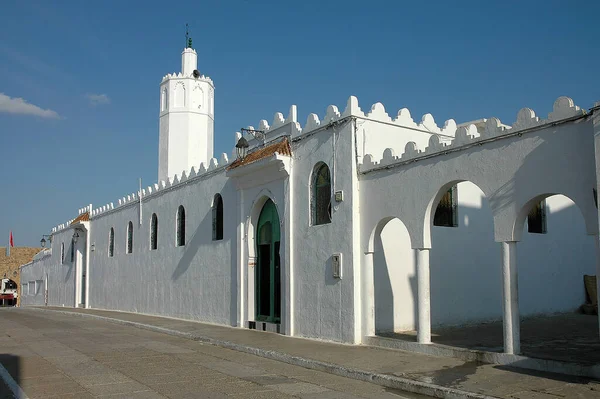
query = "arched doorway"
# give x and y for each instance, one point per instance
(268, 271)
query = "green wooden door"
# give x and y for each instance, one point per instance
(268, 273)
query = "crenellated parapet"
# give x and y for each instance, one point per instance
(178, 180)
(180, 75)
(464, 136)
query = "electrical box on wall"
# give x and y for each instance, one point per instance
(336, 265)
(339, 196)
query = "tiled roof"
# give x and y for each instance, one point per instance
(84, 217)
(282, 148)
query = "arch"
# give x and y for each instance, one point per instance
(179, 94)
(197, 97)
(217, 218)
(154, 232)
(468, 257)
(255, 208)
(320, 194)
(111, 242)
(390, 279)
(551, 266)
(129, 237)
(268, 261)
(164, 99)
(526, 208)
(180, 226)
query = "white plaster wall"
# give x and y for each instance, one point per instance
(61, 276)
(551, 266)
(465, 272)
(324, 305)
(196, 281)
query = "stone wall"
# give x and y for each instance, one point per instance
(9, 265)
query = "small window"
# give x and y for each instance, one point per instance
(536, 220)
(154, 232)
(321, 195)
(24, 289)
(111, 242)
(446, 213)
(130, 237)
(62, 252)
(217, 218)
(72, 250)
(180, 226)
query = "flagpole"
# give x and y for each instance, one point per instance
(140, 197)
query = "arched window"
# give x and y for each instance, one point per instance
(72, 250)
(180, 226)
(130, 237)
(446, 213)
(321, 195)
(217, 217)
(154, 232)
(62, 252)
(111, 242)
(164, 100)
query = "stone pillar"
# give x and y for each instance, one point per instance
(368, 296)
(423, 296)
(510, 299)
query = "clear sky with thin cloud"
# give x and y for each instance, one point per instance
(79, 80)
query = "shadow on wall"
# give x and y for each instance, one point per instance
(465, 266)
(199, 240)
(12, 364)
(394, 279)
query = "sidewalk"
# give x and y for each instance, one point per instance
(435, 376)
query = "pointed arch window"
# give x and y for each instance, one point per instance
(111, 242)
(130, 237)
(321, 195)
(154, 232)
(62, 252)
(180, 226)
(72, 250)
(217, 218)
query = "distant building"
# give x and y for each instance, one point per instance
(9, 267)
(357, 223)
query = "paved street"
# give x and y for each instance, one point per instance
(60, 356)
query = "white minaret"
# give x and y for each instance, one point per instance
(186, 121)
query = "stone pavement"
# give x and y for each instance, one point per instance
(53, 355)
(442, 377)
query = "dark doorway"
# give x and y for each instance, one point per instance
(268, 272)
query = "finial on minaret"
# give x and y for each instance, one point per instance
(188, 39)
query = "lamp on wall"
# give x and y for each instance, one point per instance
(242, 145)
(43, 240)
(75, 236)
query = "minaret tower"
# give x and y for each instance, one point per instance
(186, 121)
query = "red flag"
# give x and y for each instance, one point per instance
(12, 243)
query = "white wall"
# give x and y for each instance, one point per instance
(61, 276)
(195, 281)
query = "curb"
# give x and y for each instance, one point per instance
(386, 380)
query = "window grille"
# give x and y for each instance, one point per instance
(536, 220)
(321, 195)
(217, 218)
(130, 237)
(180, 226)
(446, 213)
(154, 232)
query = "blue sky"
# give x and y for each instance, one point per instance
(90, 72)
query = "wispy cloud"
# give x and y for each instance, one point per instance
(98, 99)
(12, 105)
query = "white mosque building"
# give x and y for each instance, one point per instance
(356, 223)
